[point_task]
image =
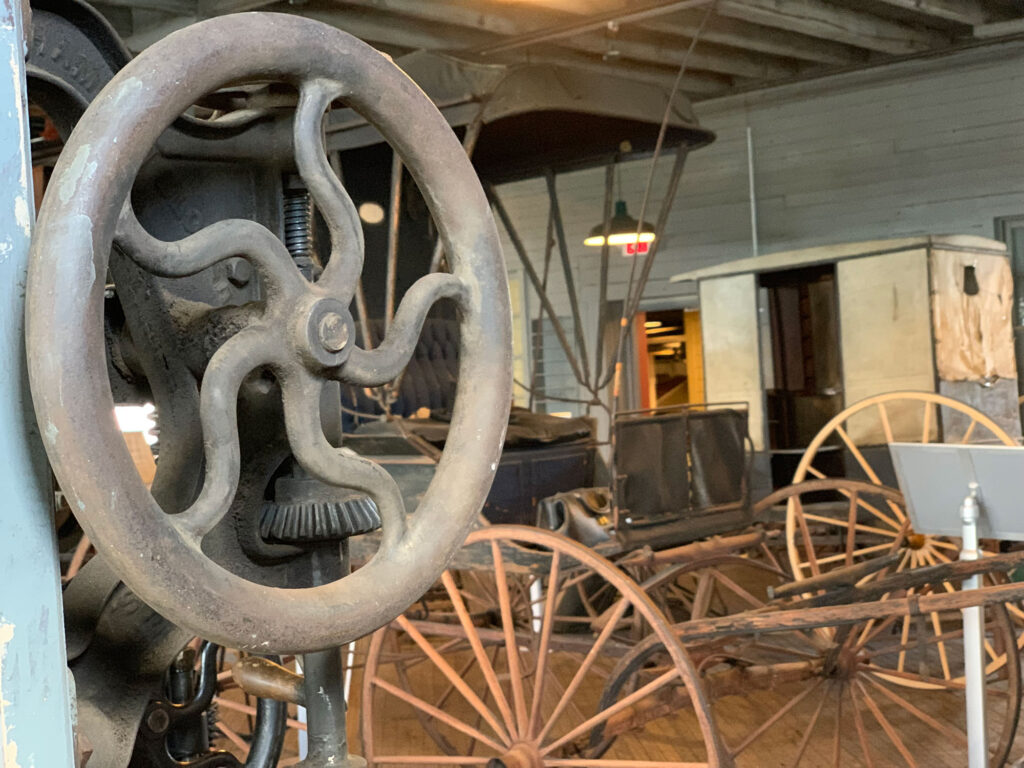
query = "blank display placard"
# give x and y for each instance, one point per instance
(934, 479)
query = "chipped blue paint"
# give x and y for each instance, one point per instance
(35, 711)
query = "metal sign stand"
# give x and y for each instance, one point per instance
(931, 476)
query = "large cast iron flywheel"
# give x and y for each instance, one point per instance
(303, 332)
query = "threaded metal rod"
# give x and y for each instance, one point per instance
(298, 229)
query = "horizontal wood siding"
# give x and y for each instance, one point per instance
(926, 147)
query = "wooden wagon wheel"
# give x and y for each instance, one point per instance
(719, 585)
(864, 429)
(524, 692)
(808, 703)
(837, 525)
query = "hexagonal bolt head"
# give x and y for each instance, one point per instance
(239, 272)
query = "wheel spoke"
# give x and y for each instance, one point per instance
(478, 651)
(805, 534)
(737, 590)
(437, 714)
(453, 677)
(218, 398)
(883, 415)
(544, 642)
(853, 528)
(859, 553)
(608, 712)
(511, 643)
(761, 729)
(809, 730)
(588, 662)
(862, 736)
(926, 428)
(341, 275)
(947, 731)
(210, 245)
(918, 680)
(374, 368)
(339, 467)
(886, 726)
(837, 734)
(852, 448)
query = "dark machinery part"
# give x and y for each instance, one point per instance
(172, 732)
(324, 689)
(189, 738)
(155, 320)
(298, 227)
(305, 511)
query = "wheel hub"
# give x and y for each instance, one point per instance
(916, 540)
(519, 756)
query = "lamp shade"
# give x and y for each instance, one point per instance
(623, 229)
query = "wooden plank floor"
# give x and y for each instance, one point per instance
(677, 737)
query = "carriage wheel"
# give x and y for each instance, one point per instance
(838, 523)
(717, 586)
(864, 429)
(519, 690)
(807, 702)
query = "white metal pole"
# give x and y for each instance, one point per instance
(754, 247)
(974, 659)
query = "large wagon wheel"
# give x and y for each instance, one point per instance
(881, 526)
(809, 703)
(864, 430)
(522, 690)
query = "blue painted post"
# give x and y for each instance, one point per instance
(35, 704)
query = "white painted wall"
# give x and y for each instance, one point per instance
(926, 147)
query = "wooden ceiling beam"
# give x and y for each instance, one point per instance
(753, 37)
(661, 50)
(720, 30)
(969, 12)
(829, 22)
(382, 30)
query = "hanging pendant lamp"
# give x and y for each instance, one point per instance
(622, 230)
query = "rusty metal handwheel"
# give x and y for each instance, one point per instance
(304, 333)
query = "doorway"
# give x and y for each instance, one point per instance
(674, 357)
(803, 376)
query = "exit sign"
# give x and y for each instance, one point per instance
(632, 249)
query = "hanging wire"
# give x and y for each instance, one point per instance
(634, 288)
(631, 304)
(554, 398)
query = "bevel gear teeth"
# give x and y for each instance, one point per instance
(309, 522)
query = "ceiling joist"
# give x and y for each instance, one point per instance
(969, 12)
(743, 44)
(831, 22)
(655, 49)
